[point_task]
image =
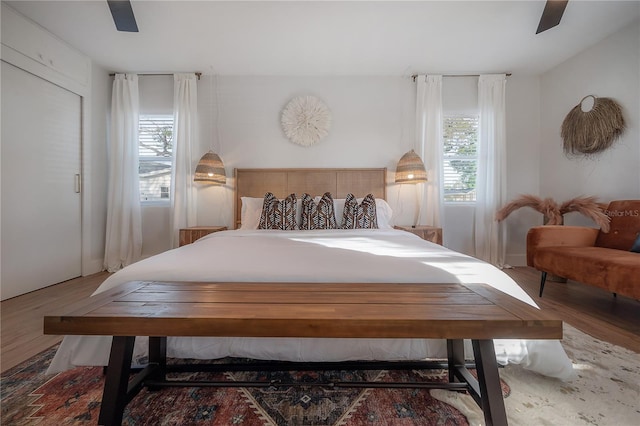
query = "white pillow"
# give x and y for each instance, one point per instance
(383, 212)
(252, 209)
(250, 212)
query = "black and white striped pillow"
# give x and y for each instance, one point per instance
(278, 214)
(319, 215)
(357, 216)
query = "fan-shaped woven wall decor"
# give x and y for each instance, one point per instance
(306, 120)
(592, 131)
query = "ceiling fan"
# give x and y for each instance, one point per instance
(551, 14)
(123, 15)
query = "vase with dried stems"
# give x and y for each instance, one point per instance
(553, 212)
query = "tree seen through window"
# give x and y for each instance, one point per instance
(155, 157)
(460, 134)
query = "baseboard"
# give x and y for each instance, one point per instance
(94, 266)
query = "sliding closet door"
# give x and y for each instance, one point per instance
(41, 201)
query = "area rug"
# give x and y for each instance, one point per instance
(73, 398)
(605, 391)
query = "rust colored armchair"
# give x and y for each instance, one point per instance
(590, 256)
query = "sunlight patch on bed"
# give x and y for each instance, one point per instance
(468, 272)
(369, 245)
(466, 269)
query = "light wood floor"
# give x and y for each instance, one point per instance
(587, 308)
(594, 311)
(22, 317)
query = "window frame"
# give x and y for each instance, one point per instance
(446, 158)
(164, 119)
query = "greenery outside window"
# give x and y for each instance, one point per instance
(155, 151)
(460, 162)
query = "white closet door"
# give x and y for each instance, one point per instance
(41, 201)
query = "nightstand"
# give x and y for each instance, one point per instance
(429, 233)
(189, 235)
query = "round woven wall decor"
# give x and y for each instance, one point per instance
(592, 131)
(306, 120)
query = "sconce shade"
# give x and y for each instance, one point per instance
(410, 169)
(210, 169)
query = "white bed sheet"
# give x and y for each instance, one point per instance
(316, 256)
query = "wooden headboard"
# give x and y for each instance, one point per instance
(282, 182)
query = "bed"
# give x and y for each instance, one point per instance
(383, 255)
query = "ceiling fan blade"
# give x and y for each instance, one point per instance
(123, 15)
(551, 14)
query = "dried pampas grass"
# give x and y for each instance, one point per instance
(589, 207)
(554, 213)
(547, 207)
(588, 132)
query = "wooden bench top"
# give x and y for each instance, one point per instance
(373, 310)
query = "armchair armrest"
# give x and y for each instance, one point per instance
(559, 235)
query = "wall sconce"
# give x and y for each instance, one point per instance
(410, 169)
(210, 169)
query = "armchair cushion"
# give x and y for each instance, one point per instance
(558, 236)
(616, 271)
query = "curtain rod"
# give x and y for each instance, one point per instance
(198, 74)
(413, 77)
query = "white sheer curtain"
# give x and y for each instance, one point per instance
(429, 148)
(492, 166)
(183, 192)
(123, 238)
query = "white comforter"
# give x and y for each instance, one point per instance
(316, 256)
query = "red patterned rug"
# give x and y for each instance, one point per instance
(73, 398)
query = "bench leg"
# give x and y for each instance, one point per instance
(158, 357)
(543, 279)
(455, 357)
(115, 395)
(489, 382)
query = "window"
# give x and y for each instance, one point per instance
(155, 156)
(460, 158)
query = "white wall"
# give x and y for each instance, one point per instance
(523, 160)
(611, 69)
(95, 171)
(372, 126)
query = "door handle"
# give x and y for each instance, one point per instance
(78, 183)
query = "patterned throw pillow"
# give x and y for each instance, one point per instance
(363, 215)
(318, 216)
(278, 214)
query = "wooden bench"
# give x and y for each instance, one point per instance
(446, 311)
